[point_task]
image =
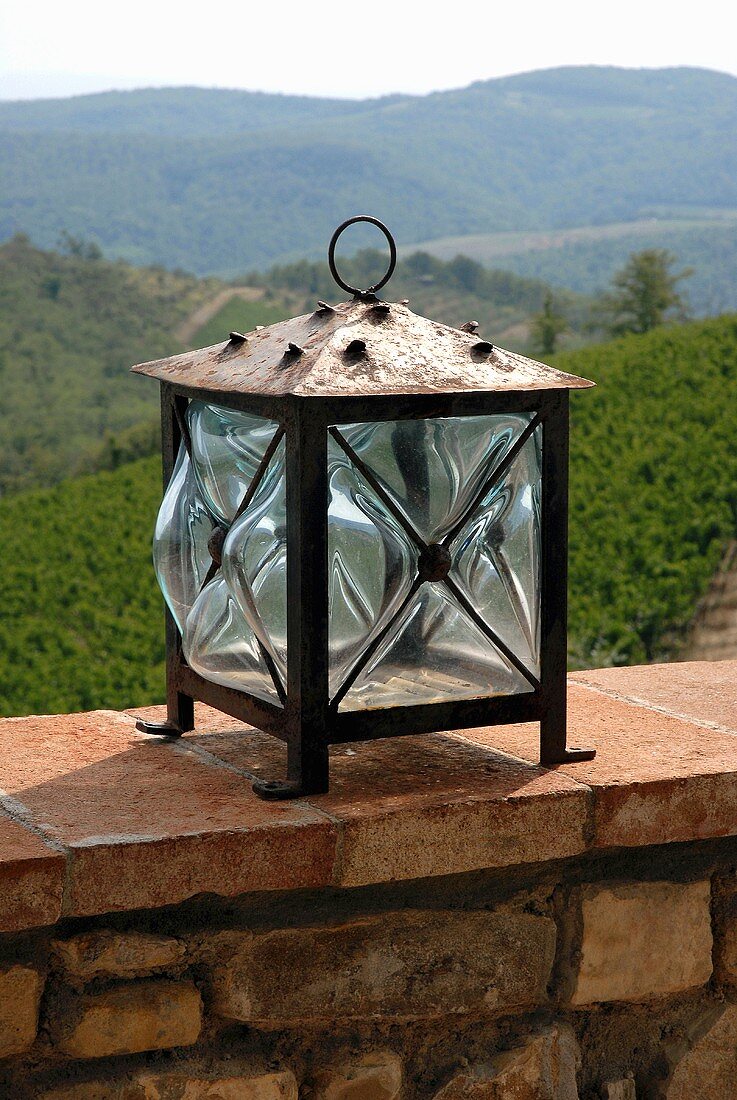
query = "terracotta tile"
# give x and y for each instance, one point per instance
(656, 778)
(31, 878)
(703, 690)
(151, 823)
(412, 807)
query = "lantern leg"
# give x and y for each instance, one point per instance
(179, 707)
(553, 749)
(179, 717)
(307, 773)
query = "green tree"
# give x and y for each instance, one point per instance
(547, 326)
(644, 293)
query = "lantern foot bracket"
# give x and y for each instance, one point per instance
(273, 790)
(159, 729)
(567, 756)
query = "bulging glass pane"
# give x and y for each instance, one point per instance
(370, 561)
(465, 487)
(434, 652)
(432, 469)
(183, 526)
(225, 624)
(496, 556)
(219, 644)
(227, 448)
(255, 562)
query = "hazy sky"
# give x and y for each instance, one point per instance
(319, 47)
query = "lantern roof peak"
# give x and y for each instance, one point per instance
(360, 347)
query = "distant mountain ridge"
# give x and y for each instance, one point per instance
(224, 181)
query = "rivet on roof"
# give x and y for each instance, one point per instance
(356, 347)
(294, 349)
(470, 326)
(483, 347)
(237, 338)
(324, 307)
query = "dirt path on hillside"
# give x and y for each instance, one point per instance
(201, 316)
(713, 634)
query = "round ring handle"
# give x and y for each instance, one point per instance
(355, 291)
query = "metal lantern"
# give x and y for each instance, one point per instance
(364, 532)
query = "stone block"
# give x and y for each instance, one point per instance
(179, 1085)
(708, 1070)
(727, 950)
(93, 1090)
(624, 1089)
(543, 1068)
(128, 1018)
(376, 1076)
(643, 940)
(402, 965)
(183, 1086)
(108, 954)
(20, 995)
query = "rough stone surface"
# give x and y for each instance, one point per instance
(179, 1085)
(128, 1018)
(413, 807)
(656, 778)
(708, 1071)
(148, 823)
(727, 949)
(643, 940)
(182, 1086)
(544, 1068)
(702, 690)
(20, 996)
(115, 954)
(402, 965)
(624, 1089)
(31, 878)
(376, 1076)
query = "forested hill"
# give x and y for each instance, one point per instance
(654, 500)
(70, 327)
(218, 181)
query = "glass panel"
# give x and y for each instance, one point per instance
(255, 562)
(433, 653)
(496, 556)
(432, 469)
(219, 645)
(227, 447)
(370, 561)
(183, 526)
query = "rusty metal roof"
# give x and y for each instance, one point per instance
(357, 348)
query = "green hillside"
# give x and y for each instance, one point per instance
(70, 326)
(219, 181)
(585, 259)
(654, 498)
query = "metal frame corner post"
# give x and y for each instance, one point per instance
(554, 585)
(307, 704)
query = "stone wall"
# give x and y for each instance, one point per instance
(580, 979)
(450, 922)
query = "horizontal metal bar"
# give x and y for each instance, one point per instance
(368, 725)
(239, 704)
